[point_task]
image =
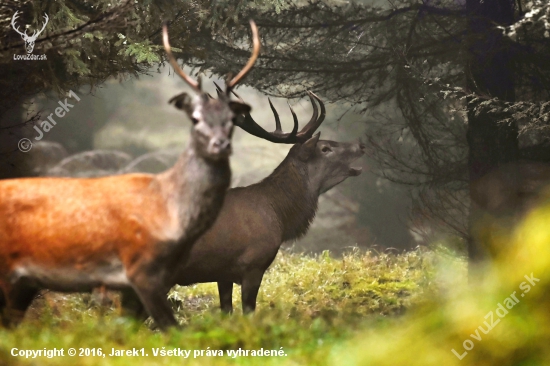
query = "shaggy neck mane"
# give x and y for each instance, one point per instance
(196, 188)
(294, 205)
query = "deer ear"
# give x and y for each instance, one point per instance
(308, 148)
(239, 108)
(183, 102)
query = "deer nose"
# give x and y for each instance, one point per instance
(222, 144)
(362, 146)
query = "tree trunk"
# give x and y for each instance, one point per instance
(489, 72)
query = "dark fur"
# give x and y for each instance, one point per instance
(293, 204)
(257, 219)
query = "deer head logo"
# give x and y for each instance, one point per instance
(29, 40)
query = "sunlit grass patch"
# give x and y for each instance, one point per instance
(307, 305)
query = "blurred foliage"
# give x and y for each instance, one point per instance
(519, 337)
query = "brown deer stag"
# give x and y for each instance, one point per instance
(257, 219)
(125, 232)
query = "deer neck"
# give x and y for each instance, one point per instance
(195, 191)
(293, 202)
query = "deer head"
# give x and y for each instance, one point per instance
(328, 163)
(29, 40)
(212, 118)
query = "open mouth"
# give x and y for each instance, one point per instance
(353, 172)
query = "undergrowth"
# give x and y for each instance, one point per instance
(366, 308)
(307, 306)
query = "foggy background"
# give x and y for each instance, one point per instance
(131, 127)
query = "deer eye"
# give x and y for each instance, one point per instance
(326, 149)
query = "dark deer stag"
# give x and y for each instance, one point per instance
(257, 219)
(125, 232)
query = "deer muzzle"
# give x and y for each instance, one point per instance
(220, 146)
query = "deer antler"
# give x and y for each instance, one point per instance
(195, 84)
(249, 125)
(251, 61)
(15, 16)
(314, 122)
(219, 91)
(278, 128)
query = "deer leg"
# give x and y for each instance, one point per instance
(3, 308)
(225, 290)
(18, 299)
(157, 306)
(132, 306)
(249, 291)
(150, 287)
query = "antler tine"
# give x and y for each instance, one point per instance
(316, 120)
(218, 87)
(252, 127)
(248, 124)
(323, 110)
(278, 128)
(219, 91)
(295, 118)
(251, 61)
(237, 95)
(194, 84)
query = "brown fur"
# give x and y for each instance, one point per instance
(126, 232)
(69, 234)
(257, 219)
(292, 203)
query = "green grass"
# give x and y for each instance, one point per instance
(308, 307)
(378, 309)
(366, 308)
